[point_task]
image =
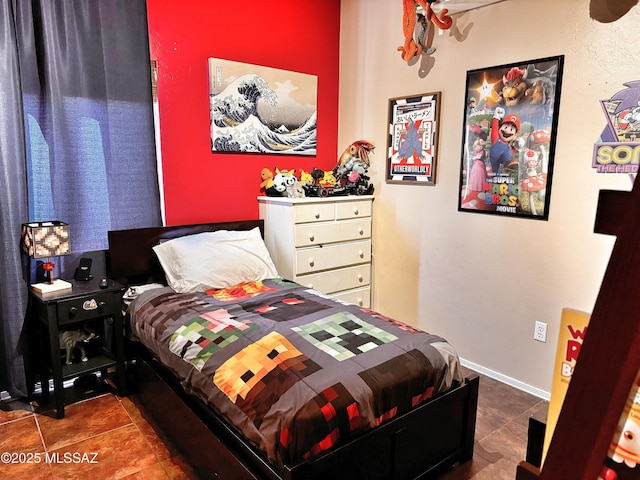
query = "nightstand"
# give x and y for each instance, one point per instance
(85, 306)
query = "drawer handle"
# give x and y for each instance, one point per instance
(360, 230)
(312, 237)
(359, 277)
(73, 311)
(360, 253)
(316, 213)
(360, 302)
(310, 285)
(355, 211)
(311, 262)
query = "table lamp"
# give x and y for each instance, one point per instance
(46, 240)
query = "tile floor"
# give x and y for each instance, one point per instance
(108, 437)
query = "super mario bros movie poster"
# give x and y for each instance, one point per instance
(413, 139)
(508, 141)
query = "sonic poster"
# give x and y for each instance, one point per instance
(508, 143)
(618, 148)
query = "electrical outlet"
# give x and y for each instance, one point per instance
(540, 332)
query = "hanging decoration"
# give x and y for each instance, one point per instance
(411, 17)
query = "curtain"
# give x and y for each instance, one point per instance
(78, 134)
(13, 208)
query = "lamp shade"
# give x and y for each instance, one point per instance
(45, 239)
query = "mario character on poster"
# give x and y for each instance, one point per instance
(618, 148)
(510, 116)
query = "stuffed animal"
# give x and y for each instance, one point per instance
(266, 176)
(283, 180)
(294, 188)
(328, 179)
(279, 182)
(410, 48)
(317, 175)
(306, 178)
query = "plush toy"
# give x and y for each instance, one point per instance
(279, 181)
(294, 188)
(285, 184)
(274, 184)
(410, 48)
(266, 176)
(328, 179)
(306, 178)
(317, 175)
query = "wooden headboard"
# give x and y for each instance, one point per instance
(131, 260)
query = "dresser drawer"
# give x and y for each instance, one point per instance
(78, 309)
(353, 209)
(309, 260)
(314, 212)
(361, 297)
(332, 232)
(337, 280)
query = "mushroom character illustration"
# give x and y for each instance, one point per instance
(627, 449)
(538, 140)
(534, 182)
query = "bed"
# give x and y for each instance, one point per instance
(291, 384)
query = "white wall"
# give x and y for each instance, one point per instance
(481, 281)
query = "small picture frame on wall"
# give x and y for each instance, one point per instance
(412, 143)
(509, 137)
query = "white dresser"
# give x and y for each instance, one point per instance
(322, 243)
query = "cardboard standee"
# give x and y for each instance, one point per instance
(624, 454)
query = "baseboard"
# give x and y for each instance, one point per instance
(506, 380)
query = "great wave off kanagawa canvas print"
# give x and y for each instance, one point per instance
(257, 109)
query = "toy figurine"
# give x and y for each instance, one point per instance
(410, 48)
(351, 171)
(71, 339)
(315, 187)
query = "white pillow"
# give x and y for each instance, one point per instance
(196, 263)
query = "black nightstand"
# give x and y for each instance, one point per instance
(86, 305)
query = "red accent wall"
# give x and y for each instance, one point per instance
(302, 36)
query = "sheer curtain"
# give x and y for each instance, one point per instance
(76, 137)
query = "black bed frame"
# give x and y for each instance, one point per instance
(419, 444)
